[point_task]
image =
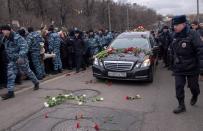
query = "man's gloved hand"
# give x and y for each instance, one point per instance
(20, 61)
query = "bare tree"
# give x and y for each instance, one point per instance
(84, 14)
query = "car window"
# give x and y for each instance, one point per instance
(137, 42)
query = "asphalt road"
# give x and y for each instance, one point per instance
(151, 113)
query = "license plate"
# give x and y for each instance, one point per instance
(117, 74)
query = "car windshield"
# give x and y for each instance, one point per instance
(128, 42)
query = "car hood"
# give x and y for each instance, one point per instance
(126, 57)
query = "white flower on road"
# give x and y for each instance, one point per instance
(138, 96)
(101, 99)
(46, 104)
(54, 98)
(84, 95)
(80, 103)
(66, 95)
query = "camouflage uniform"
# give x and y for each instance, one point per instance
(100, 39)
(93, 45)
(54, 41)
(108, 38)
(16, 48)
(34, 39)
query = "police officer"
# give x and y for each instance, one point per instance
(108, 37)
(100, 39)
(16, 50)
(34, 39)
(187, 50)
(93, 44)
(54, 41)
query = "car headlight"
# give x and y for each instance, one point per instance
(97, 62)
(146, 63)
(138, 65)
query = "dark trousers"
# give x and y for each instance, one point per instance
(165, 57)
(87, 58)
(3, 67)
(193, 84)
(79, 59)
(70, 60)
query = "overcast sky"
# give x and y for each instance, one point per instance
(170, 6)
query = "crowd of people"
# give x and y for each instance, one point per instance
(36, 53)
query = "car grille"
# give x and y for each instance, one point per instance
(118, 65)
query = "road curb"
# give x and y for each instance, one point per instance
(43, 82)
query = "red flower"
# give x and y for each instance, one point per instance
(109, 83)
(46, 115)
(110, 50)
(78, 125)
(68, 74)
(130, 49)
(127, 97)
(96, 127)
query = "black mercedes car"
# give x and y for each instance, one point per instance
(131, 56)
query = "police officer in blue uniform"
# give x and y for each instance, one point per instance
(93, 44)
(54, 41)
(100, 38)
(34, 39)
(108, 36)
(187, 52)
(16, 49)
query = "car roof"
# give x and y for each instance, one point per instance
(134, 34)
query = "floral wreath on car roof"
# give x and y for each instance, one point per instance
(139, 29)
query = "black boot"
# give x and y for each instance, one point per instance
(181, 108)
(54, 72)
(18, 82)
(83, 69)
(60, 70)
(36, 87)
(194, 100)
(9, 95)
